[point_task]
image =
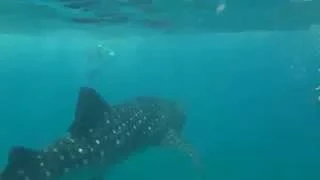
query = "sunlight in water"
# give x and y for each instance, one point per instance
(315, 30)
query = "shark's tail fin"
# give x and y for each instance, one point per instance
(21, 160)
(173, 139)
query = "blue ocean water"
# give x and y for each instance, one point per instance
(250, 98)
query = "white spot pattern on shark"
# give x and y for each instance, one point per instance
(101, 135)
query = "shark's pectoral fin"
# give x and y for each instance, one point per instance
(173, 139)
(90, 111)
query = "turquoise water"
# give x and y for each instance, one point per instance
(250, 98)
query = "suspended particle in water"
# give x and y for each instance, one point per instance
(105, 50)
(111, 53)
(291, 66)
(221, 7)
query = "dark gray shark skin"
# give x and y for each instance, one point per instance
(100, 136)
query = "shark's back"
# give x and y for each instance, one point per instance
(100, 136)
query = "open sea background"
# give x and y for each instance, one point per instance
(251, 98)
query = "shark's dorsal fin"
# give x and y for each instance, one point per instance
(91, 110)
(173, 139)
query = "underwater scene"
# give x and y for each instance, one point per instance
(160, 89)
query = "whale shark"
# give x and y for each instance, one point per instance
(100, 136)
